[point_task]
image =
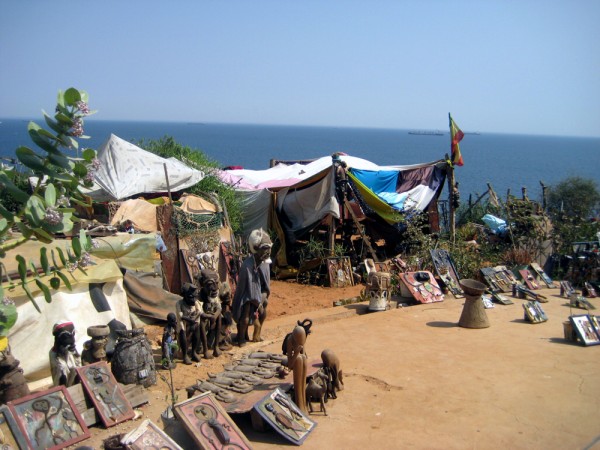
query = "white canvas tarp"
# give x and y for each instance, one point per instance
(97, 298)
(127, 170)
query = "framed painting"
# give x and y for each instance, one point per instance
(534, 312)
(340, 272)
(148, 436)
(107, 396)
(11, 435)
(584, 327)
(279, 411)
(209, 424)
(49, 419)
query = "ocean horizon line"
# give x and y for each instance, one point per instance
(327, 127)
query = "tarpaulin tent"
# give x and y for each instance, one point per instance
(127, 170)
(304, 194)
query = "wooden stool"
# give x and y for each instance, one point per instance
(473, 313)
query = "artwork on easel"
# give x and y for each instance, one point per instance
(11, 435)
(279, 411)
(340, 272)
(543, 276)
(49, 419)
(534, 312)
(209, 424)
(107, 396)
(148, 436)
(585, 329)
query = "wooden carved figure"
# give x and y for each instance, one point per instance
(211, 311)
(64, 357)
(331, 364)
(188, 312)
(297, 363)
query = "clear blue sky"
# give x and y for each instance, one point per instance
(498, 66)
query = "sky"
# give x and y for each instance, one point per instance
(527, 67)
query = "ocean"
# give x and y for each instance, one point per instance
(506, 161)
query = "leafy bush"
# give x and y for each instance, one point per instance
(167, 147)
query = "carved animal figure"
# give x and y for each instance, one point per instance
(331, 364)
(316, 390)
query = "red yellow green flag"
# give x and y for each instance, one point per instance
(456, 136)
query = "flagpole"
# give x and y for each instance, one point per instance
(451, 186)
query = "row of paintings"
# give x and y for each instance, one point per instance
(49, 419)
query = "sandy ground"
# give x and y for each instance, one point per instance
(415, 379)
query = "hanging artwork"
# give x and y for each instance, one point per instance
(109, 400)
(340, 272)
(209, 424)
(49, 419)
(279, 411)
(11, 436)
(585, 329)
(148, 436)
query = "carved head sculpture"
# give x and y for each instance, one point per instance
(260, 245)
(64, 336)
(209, 283)
(189, 292)
(171, 320)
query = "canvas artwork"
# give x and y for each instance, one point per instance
(340, 272)
(279, 411)
(49, 419)
(109, 400)
(534, 312)
(584, 327)
(11, 436)
(209, 424)
(148, 436)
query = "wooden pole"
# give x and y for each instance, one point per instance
(168, 185)
(451, 198)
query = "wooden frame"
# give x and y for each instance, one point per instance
(49, 419)
(340, 272)
(279, 411)
(107, 396)
(148, 435)
(585, 329)
(12, 436)
(207, 422)
(534, 312)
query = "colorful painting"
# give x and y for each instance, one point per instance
(534, 312)
(209, 424)
(49, 419)
(584, 327)
(11, 436)
(279, 411)
(148, 436)
(109, 400)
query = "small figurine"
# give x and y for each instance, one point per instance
(211, 311)
(169, 342)
(94, 350)
(188, 312)
(64, 357)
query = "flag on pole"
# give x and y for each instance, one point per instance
(456, 136)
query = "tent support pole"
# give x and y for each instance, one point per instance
(168, 185)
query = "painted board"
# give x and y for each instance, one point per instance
(148, 436)
(446, 271)
(284, 416)
(422, 286)
(340, 272)
(585, 329)
(11, 435)
(49, 419)
(529, 279)
(108, 398)
(209, 424)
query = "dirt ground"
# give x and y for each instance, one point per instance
(415, 379)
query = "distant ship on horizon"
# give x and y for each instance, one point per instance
(427, 132)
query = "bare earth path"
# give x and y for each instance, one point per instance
(414, 379)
